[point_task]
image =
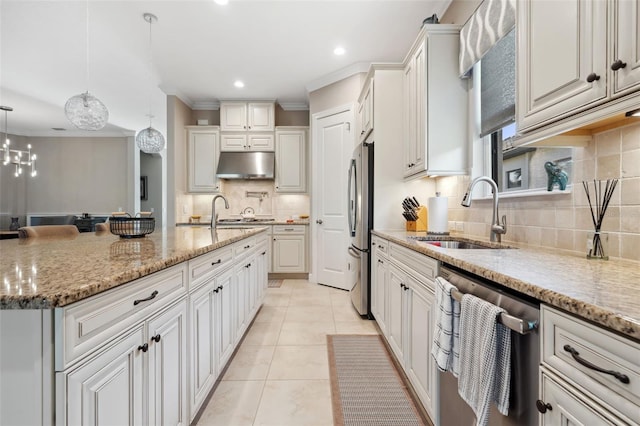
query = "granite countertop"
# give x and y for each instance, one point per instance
(604, 292)
(42, 273)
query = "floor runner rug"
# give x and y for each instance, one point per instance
(274, 283)
(366, 388)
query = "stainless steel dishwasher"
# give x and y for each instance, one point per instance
(523, 319)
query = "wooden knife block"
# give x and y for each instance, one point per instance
(421, 223)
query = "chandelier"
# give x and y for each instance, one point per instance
(150, 140)
(16, 157)
(84, 110)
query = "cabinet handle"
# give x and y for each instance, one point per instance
(592, 77)
(144, 347)
(263, 253)
(543, 406)
(289, 229)
(319, 221)
(410, 165)
(380, 261)
(576, 355)
(246, 247)
(220, 288)
(406, 287)
(156, 338)
(402, 286)
(248, 265)
(217, 262)
(153, 296)
(215, 290)
(617, 65)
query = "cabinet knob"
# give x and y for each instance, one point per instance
(618, 64)
(215, 290)
(319, 221)
(217, 262)
(156, 338)
(144, 347)
(380, 261)
(592, 77)
(543, 406)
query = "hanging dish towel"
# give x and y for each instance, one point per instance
(444, 348)
(485, 358)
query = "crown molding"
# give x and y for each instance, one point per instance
(294, 106)
(206, 105)
(341, 74)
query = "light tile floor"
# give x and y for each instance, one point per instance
(280, 374)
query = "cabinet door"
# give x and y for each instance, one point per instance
(289, 253)
(241, 282)
(202, 345)
(418, 160)
(107, 389)
(291, 161)
(626, 45)
(261, 117)
(365, 112)
(233, 142)
(233, 116)
(553, 66)
(569, 409)
(203, 160)
(409, 116)
(167, 339)
(262, 267)
(224, 326)
(260, 142)
(380, 283)
(419, 366)
(395, 317)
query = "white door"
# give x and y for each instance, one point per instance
(333, 146)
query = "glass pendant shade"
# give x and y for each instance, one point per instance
(86, 112)
(150, 140)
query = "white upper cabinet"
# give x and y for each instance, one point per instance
(565, 69)
(591, 56)
(291, 159)
(202, 158)
(247, 116)
(246, 142)
(435, 105)
(365, 112)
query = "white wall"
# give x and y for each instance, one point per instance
(78, 175)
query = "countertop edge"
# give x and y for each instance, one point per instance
(596, 314)
(61, 299)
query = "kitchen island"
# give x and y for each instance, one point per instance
(102, 330)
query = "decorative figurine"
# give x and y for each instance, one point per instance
(555, 175)
(15, 225)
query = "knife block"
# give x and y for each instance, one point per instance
(421, 223)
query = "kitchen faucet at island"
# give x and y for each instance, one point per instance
(214, 215)
(497, 228)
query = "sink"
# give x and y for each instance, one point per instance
(455, 244)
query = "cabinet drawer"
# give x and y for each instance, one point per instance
(204, 266)
(419, 263)
(86, 325)
(598, 347)
(379, 246)
(289, 229)
(244, 246)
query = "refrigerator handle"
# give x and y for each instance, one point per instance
(354, 253)
(353, 198)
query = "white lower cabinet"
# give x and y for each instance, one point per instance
(403, 297)
(107, 389)
(289, 248)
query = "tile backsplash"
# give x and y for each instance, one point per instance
(271, 205)
(563, 220)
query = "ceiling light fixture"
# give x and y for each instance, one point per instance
(339, 51)
(85, 111)
(634, 113)
(238, 84)
(150, 140)
(16, 157)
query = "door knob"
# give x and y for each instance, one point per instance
(319, 221)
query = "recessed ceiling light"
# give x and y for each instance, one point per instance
(238, 84)
(339, 51)
(221, 2)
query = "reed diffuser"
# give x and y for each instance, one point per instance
(598, 202)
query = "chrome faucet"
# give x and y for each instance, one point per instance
(497, 228)
(214, 215)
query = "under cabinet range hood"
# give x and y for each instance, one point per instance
(246, 165)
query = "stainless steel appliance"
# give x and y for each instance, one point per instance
(523, 318)
(360, 196)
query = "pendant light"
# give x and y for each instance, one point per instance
(84, 110)
(150, 140)
(16, 157)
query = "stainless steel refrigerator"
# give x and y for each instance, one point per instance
(360, 196)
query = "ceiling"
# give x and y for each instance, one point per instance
(281, 50)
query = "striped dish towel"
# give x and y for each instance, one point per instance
(485, 358)
(444, 348)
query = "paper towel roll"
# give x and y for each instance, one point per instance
(438, 208)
